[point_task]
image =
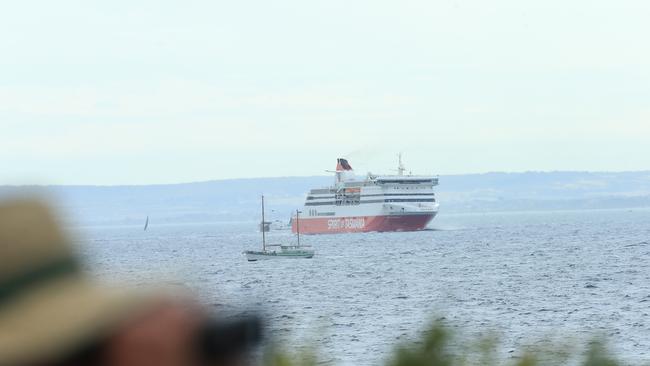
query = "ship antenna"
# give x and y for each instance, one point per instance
(400, 166)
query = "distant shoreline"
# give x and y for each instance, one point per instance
(238, 199)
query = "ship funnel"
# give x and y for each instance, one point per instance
(342, 164)
(344, 171)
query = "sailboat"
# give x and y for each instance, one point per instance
(146, 224)
(270, 251)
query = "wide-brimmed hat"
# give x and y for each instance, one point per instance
(48, 306)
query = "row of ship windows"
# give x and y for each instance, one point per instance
(325, 191)
(423, 182)
(311, 198)
(409, 187)
(354, 202)
(411, 200)
(314, 212)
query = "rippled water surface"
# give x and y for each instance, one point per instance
(526, 276)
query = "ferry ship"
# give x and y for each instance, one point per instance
(401, 202)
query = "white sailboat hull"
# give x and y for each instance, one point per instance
(252, 255)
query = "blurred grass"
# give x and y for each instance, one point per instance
(435, 348)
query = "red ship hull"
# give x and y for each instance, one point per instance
(359, 224)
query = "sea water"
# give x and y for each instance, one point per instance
(522, 276)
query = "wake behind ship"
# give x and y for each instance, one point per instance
(377, 203)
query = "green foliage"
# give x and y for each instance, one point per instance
(275, 357)
(431, 352)
(436, 348)
(597, 356)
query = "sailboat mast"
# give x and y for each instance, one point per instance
(298, 225)
(263, 227)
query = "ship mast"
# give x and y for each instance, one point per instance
(263, 227)
(298, 226)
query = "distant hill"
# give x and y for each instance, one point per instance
(238, 199)
(545, 190)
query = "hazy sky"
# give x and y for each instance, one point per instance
(158, 91)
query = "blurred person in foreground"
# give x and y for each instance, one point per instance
(51, 314)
